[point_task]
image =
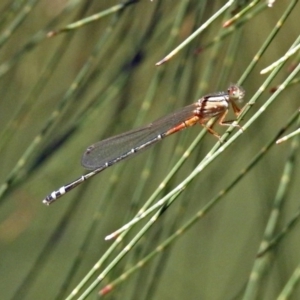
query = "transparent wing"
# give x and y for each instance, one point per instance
(123, 145)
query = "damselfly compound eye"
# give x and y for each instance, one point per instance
(236, 93)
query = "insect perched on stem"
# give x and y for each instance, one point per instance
(106, 153)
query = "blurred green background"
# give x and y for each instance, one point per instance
(61, 94)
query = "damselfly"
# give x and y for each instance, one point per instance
(106, 153)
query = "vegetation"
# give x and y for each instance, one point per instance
(221, 217)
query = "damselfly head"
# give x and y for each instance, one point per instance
(236, 93)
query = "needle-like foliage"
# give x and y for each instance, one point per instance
(198, 217)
